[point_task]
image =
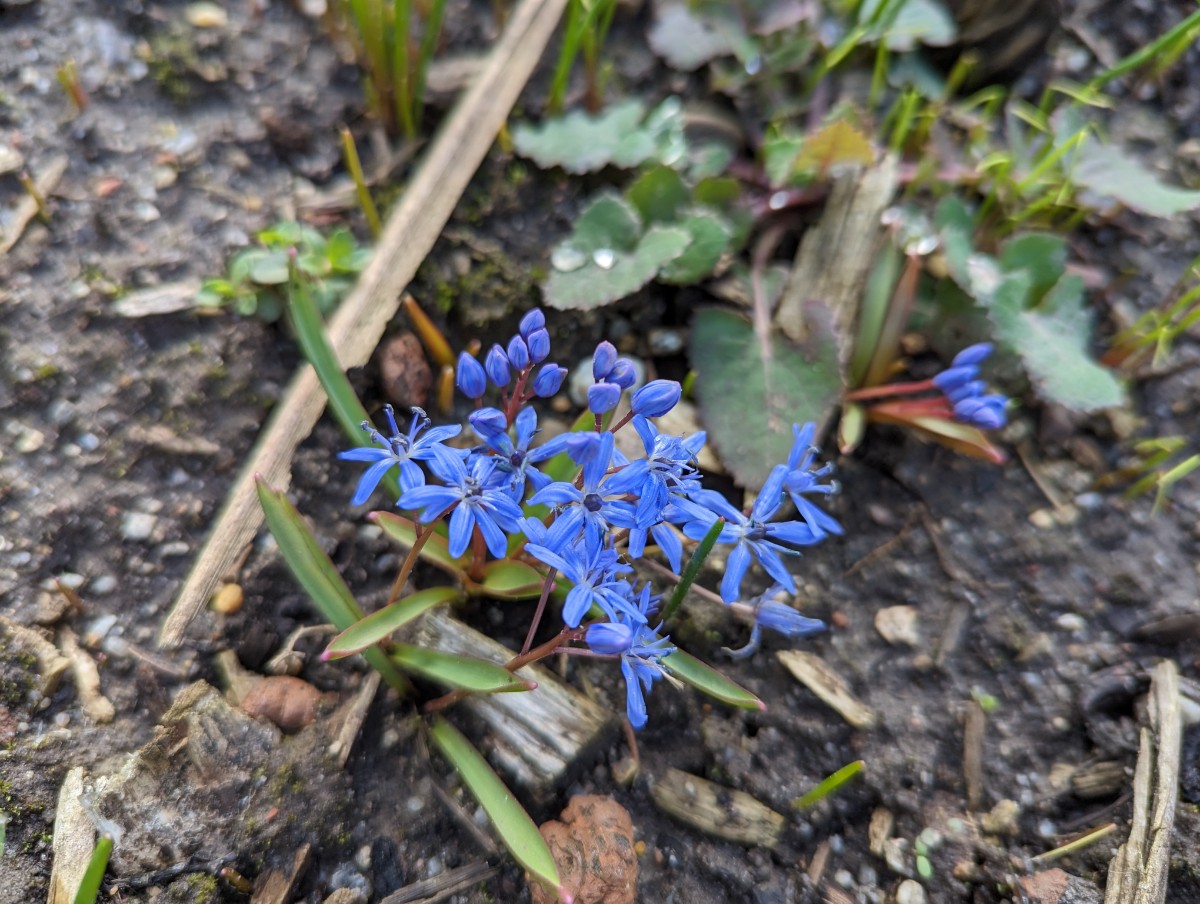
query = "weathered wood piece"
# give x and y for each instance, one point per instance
(27, 208)
(836, 255)
(716, 810)
(356, 328)
(812, 671)
(74, 836)
(1138, 871)
(533, 736)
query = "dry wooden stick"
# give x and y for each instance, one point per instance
(356, 328)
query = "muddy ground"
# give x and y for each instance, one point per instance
(121, 435)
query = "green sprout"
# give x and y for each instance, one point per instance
(829, 785)
(586, 27)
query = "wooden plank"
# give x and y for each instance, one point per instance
(356, 328)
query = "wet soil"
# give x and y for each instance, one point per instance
(121, 435)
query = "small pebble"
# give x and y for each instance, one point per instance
(103, 585)
(137, 525)
(910, 892)
(898, 625)
(228, 599)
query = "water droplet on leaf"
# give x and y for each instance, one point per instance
(564, 258)
(604, 258)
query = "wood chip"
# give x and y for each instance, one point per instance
(716, 810)
(812, 671)
(352, 716)
(1138, 871)
(74, 836)
(355, 329)
(275, 886)
(51, 664)
(27, 208)
(95, 705)
(534, 737)
(974, 725)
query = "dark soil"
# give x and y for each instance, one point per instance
(121, 436)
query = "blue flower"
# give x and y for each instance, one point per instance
(397, 450)
(603, 397)
(803, 478)
(667, 468)
(517, 460)
(967, 394)
(594, 570)
(603, 360)
(477, 495)
(589, 507)
(641, 650)
(770, 613)
(518, 353)
(549, 380)
(751, 535)
(539, 345)
(497, 366)
(488, 421)
(533, 320)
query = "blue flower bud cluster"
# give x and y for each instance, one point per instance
(602, 520)
(968, 394)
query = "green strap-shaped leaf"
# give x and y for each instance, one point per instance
(89, 886)
(436, 550)
(512, 823)
(707, 680)
(828, 785)
(379, 625)
(691, 571)
(313, 571)
(457, 671)
(510, 580)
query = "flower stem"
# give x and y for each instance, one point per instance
(889, 389)
(537, 614)
(423, 534)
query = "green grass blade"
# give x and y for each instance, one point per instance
(512, 823)
(828, 785)
(347, 410)
(89, 887)
(379, 625)
(314, 572)
(457, 671)
(691, 571)
(707, 680)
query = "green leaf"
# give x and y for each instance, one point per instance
(711, 235)
(436, 550)
(1041, 254)
(509, 580)
(779, 153)
(659, 194)
(609, 274)
(284, 234)
(1109, 172)
(314, 572)
(457, 671)
(608, 223)
(687, 40)
(916, 21)
(707, 680)
(751, 392)
(1052, 343)
(270, 269)
(89, 885)
(955, 225)
(380, 625)
(622, 136)
(512, 823)
(691, 571)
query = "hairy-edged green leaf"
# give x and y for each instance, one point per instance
(659, 194)
(314, 572)
(509, 818)
(779, 153)
(510, 580)
(711, 235)
(686, 40)
(379, 625)
(269, 268)
(1052, 342)
(623, 135)
(436, 550)
(707, 680)
(752, 389)
(608, 223)
(955, 226)
(1042, 255)
(611, 274)
(1108, 172)
(457, 671)
(89, 885)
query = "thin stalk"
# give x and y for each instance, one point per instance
(402, 89)
(423, 533)
(354, 165)
(692, 570)
(539, 611)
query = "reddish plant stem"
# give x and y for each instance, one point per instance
(537, 614)
(889, 389)
(423, 534)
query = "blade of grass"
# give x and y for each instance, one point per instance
(347, 409)
(89, 886)
(828, 785)
(314, 572)
(512, 823)
(692, 570)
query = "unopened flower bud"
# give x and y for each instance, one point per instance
(549, 380)
(539, 345)
(609, 638)
(534, 320)
(603, 360)
(518, 353)
(603, 397)
(656, 398)
(497, 366)
(488, 422)
(470, 377)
